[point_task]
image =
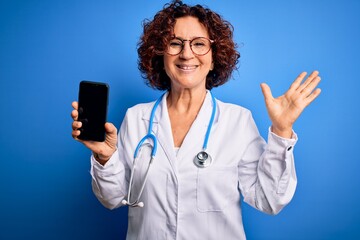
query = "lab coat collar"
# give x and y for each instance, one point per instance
(194, 139)
(147, 112)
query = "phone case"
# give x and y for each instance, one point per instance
(93, 105)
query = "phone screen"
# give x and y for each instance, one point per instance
(93, 102)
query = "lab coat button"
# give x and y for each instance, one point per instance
(289, 148)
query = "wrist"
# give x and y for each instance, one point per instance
(100, 158)
(284, 133)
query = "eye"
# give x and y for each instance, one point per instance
(175, 43)
(199, 43)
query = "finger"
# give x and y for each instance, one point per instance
(111, 131)
(74, 114)
(110, 128)
(75, 105)
(313, 96)
(311, 86)
(76, 125)
(75, 134)
(312, 76)
(266, 92)
(297, 81)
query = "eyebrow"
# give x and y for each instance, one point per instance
(174, 36)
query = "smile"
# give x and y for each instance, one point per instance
(187, 67)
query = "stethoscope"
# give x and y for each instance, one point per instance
(201, 160)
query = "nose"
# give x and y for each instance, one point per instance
(186, 52)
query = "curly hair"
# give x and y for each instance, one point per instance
(158, 32)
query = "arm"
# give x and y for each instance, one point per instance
(267, 177)
(269, 183)
(110, 181)
(108, 172)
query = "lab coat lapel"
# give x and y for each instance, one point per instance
(162, 130)
(194, 139)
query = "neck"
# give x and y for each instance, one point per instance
(186, 100)
(183, 107)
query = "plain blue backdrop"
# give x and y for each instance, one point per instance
(48, 46)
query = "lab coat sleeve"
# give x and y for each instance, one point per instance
(109, 182)
(267, 177)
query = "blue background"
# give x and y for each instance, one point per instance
(47, 47)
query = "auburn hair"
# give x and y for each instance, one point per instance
(158, 32)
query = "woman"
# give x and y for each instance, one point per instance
(187, 51)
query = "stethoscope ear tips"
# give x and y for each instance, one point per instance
(140, 204)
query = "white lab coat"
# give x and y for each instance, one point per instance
(183, 201)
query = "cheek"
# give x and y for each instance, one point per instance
(208, 61)
(208, 64)
(166, 67)
(167, 63)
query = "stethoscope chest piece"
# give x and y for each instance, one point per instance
(202, 159)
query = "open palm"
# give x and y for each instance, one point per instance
(284, 110)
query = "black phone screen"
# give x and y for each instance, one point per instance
(93, 102)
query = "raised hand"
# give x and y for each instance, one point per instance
(284, 110)
(102, 150)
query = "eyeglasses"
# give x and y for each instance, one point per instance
(199, 46)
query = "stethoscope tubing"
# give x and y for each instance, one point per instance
(210, 122)
(151, 136)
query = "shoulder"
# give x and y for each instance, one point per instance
(135, 114)
(139, 110)
(141, 107)
(235, 120)
(233, 110)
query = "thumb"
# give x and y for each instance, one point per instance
(266, 91)
(110, 129)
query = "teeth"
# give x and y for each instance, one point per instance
(187, 67)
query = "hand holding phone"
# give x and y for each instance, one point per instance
(92, 110)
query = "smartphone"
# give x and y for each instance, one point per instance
(93, 105)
